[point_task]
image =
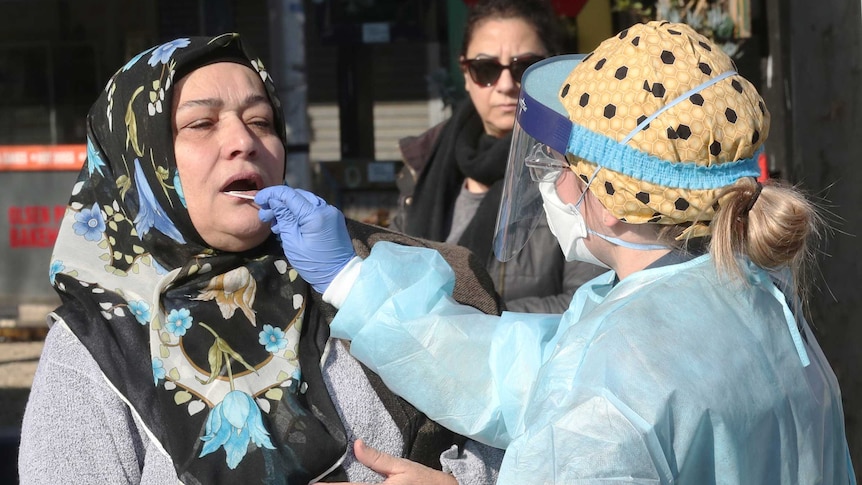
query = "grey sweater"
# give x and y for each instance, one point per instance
(78, 430)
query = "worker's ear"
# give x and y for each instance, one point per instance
(598, 213)
(608, 219)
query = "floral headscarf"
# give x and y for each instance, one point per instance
(203, 344)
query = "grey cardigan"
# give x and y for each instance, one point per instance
(77, 429)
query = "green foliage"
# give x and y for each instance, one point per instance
(708, 17)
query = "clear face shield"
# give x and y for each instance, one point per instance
(539, 141)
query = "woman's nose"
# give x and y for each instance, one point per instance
(506, 83)
(237, 139)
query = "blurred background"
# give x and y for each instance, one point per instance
(355, 76)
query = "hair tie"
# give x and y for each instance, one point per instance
(754, 198)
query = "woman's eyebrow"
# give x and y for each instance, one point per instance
(482, 55)
(218, 102)
(206, 102)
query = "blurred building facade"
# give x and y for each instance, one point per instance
(369, 72)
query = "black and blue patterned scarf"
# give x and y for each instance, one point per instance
(203, 344)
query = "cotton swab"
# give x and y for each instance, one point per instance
(241, 195)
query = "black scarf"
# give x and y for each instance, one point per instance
(210, 348)
(463, 150)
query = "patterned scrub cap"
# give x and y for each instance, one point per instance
(663, 123)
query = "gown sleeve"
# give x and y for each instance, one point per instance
(469, 371)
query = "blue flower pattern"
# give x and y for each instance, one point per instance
(178, 187)
(94, 159)
(231, 424)
(158, 371)
(179, 321)
(150, 213)
(56, 267)
(272, 338)
(164, 52)
(141, 310)
(135, 59)
(90, 223)
(160, 270)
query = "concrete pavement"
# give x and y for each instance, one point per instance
(18, 361)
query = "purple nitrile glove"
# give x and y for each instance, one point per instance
(313, 233)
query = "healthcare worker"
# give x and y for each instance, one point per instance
(689, 362)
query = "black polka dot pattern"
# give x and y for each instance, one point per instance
(730, 115)
(634, 76)
(640, 120)
(667, 57)
(621, 73)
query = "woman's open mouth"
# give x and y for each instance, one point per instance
(243, 187)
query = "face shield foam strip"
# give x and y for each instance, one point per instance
(543, 123)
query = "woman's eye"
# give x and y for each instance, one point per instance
(199, 124)
(261, 124)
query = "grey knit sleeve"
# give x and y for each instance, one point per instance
(75, 429)
(477, 464)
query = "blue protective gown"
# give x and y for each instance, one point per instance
(673, 375)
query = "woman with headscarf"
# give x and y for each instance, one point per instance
(186, 345)
(691, 361)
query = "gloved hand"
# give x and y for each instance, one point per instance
(313, 233)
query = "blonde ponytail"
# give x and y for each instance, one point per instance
(773, 224)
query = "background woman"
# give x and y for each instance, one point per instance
(453, 177)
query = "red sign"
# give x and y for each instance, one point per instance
(34, 226)
(28, 158)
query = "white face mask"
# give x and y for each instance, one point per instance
(568, 225)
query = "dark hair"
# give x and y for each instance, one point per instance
(537, 13)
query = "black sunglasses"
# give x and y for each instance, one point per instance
(487, 71)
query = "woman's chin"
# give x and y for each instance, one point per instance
(240, 239)
(500, 126)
